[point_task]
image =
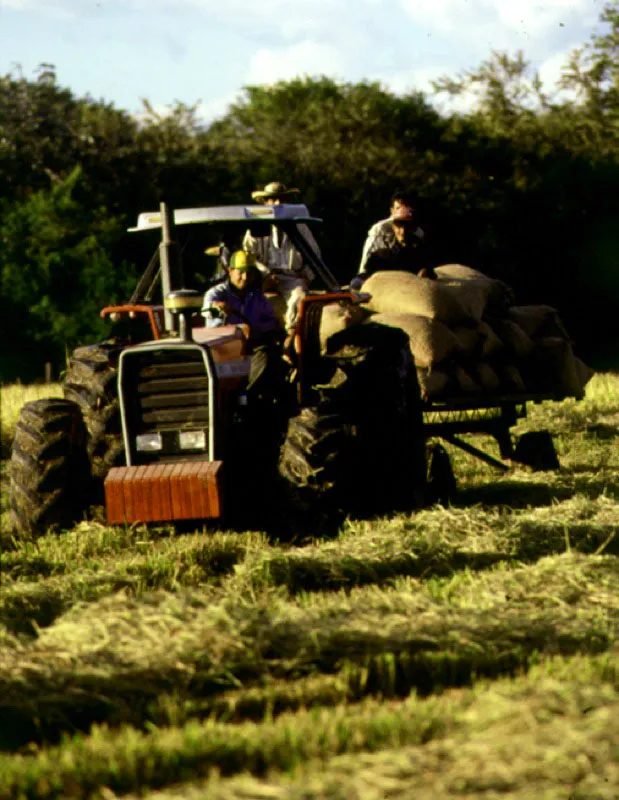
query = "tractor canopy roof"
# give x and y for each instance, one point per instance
(150, 220)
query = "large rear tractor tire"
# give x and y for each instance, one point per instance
(49, 468)
(361, 449)
(90, 382)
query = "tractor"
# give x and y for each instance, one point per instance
(156, 424)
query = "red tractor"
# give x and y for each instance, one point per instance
(156, 423)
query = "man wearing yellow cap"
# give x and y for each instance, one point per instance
(239, 298)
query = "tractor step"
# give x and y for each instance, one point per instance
(164, 492)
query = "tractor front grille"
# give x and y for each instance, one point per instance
(166, 389)
(173, 392)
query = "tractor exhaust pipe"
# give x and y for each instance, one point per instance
(169, 259)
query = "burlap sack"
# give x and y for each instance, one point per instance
(477, 292)
(466, 383)
(538, 321)
(516, 341)
(432, 382)
(431, 341)
(470, 339)
(583, 373)
(511, 380)
(483, 374)
(459, 272)
(553, 368)
(472, 295)
(404, 293)
(491, 344)
(337, 316)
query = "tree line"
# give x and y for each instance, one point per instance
(524, 187)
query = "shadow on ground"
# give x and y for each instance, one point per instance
(601, 430)
(523, 494)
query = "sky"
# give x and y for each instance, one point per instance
(206, 51)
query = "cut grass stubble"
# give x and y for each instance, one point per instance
(180, 640)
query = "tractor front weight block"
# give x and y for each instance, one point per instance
(164, 492)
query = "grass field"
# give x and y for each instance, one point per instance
(469, 651)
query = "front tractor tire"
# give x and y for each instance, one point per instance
(313, 463)
(90, 383)
(360, 449)
(49, 468)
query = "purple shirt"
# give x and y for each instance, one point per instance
(252, 308)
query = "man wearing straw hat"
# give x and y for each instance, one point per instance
(276, 255)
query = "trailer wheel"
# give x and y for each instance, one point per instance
(536, 449)
(49, 468)
(442, 484)
(90, 382)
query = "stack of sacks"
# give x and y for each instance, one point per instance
(551, 364)
(468, 339)
(336, 317)
(480, 294)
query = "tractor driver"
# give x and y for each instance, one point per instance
(240, 300)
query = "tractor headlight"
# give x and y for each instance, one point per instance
(149, 442)
(192, 440)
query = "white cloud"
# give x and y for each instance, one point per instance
(61, 10)
(368, 40)
(413, 80)
(499, 24)
(420, 80)
(550, 73)
(437, 15)
(281, 17)
(217, 107)
(304, 58)
(539, 18)
(209, 48)
(550, 69)
(20, 5)
(159, 110)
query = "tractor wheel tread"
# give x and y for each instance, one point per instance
(91, 383)
(49, 469)
(55, 446)
(361, 448)
(307, 440)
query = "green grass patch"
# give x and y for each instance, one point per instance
(12, 398)
(489, 738)
(109, 660)
(229, 665)
(44, 579)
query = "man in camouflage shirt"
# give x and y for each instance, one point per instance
(396, 243)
